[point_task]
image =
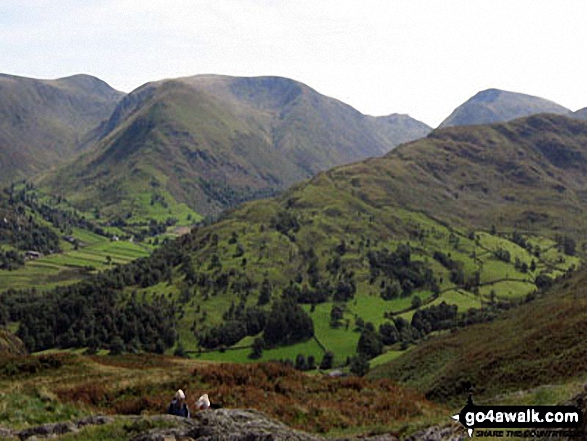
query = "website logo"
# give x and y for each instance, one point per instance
(504, 418)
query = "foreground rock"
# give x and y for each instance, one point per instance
(209, 425)
(228, 425)
(54, 429)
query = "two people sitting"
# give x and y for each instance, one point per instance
(179, 407)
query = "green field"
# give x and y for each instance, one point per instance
(95, 253)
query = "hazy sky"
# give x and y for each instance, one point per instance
(418, 57)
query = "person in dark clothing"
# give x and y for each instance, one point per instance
(178, 406)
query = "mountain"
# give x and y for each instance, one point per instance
(213, 141)
(478, 217)
(580, 114)
(42, 121)
(494, 105)
(400, 128)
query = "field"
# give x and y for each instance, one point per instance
(95, 253)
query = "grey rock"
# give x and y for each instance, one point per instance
(228, 425)
(6, 433)
(94, 420)
(440, 433)
(56, 429)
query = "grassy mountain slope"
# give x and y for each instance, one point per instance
(494, 105)
(539, 343)
(42, 121)
(212, 141)
(432, 193)
(484, 211)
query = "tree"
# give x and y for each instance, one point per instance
(117, 346)
(336, 315)
(369, 344)
(388, 334)
(265, 294)
(258, 346)
(240, 250)
(359, 365)
(179, 351)
(391, 291)
(327, 361)
(301, 364)
(416, 302)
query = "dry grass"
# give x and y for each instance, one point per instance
(145, 384)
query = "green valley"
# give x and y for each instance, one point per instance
(374, 253)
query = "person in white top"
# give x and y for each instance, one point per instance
(203, 403)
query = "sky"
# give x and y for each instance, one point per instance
(420, 57)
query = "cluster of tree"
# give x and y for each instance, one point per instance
(4, 316)
(523, 266)
(285, 324)
(566, 244)
(49, 208)
(305, 364)
(20, 229)
(10, 259)
(343, 290)
(435, 318)
(288, 323)
(238, 323)
(285, 222)
(503, 255)
(446, 261)
(230, 195)
(520, 240)
(92, 315)
(424, 321)
(398, 266)
(96, 314)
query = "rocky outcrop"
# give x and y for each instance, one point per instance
(228, 425)
(55, 429)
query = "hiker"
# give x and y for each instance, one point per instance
(178, 406)
(203, 403)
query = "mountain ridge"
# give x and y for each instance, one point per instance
(212, 141)
(43, 120)
(495, 105)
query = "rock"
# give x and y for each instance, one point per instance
(56, 429)
(47, 430)
(94, 420)
(228, 425)
(450, 432)
(6, 433)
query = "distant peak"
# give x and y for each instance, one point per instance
(488, 95)
(89, 82)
